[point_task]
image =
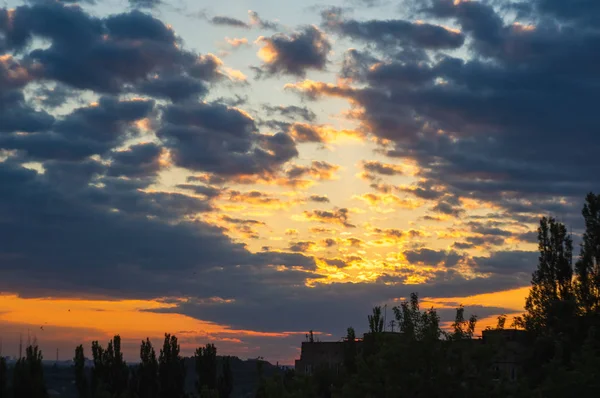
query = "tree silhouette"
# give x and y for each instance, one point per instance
(171, 369)
(147, 377)
(110, 374)
(99, 372)
(225, 383)
(206, 368)
(79, 367)
(550, 303)
(463, 329)
(501, 322)
(417, 325)
(350, 352)
(3, 378)
(587, 268)
(28, 375)
(261, 390)
(376, 321)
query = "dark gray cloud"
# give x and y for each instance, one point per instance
(337, 216)
(120, 53)
(433, 257)
(580, 13)
(291, 112)
(55, 97)
(447, 208)
(229, 21)
(475, 241)
(523, 92)
(373, 166)
(220, 139)
(107, 121)
(19, 116)
(423, 189)
(13, 75)
(319, 198)
(86, 131)
(317, 168)
(393, 33)
(488, 228)
(335, 307)
(175, 88)
(137, 161)
(301, 247)
(43, 217)
(296, 53)
(206, 190)
(240, 221)
(529, 237)
(305, 133)
(508, 262)
(256, 20)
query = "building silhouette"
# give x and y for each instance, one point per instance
(508, 347)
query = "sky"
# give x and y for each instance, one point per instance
(242, 172)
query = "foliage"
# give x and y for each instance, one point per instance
(350, 352)
(3, 378)
(225, 382)
(171, 369)
(28, 375)
(462, 329)
(587, 268)
(110, 374)
(80, 378)
(206, 368)
(551, 299)
(376, 321)
(146, 381)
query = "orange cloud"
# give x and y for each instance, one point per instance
(338, 216)
(372, 168)
(127, 317)
(261, 199)
(321, 230)
(313, 89)
(304, 132)
(236, 43)
(319, 170)
(375, 199)
(235, 74)
(294, 176)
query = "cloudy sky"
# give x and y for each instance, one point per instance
(240, 172)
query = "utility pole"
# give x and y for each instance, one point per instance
(392, 324)
(20, 345)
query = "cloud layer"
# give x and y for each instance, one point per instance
(370, 158)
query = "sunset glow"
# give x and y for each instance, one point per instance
(242, 177)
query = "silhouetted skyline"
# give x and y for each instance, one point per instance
(247, 171)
